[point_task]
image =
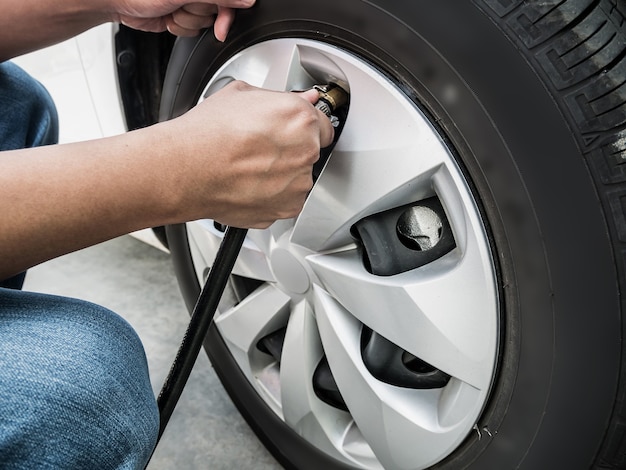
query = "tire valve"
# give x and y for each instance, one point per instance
(331, 98)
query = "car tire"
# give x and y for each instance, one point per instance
(531, 97)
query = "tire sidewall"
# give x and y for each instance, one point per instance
(554, 389)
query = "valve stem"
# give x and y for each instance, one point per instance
(331, 97)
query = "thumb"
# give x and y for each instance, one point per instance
(312, 95)
(327, 131)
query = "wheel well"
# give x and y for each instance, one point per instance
(141, 60)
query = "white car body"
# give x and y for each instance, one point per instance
(80, 75)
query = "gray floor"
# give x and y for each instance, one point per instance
(137, 281)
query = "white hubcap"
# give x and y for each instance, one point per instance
(314, 282)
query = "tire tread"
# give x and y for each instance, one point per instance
(579, 49)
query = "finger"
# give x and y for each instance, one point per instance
(312, 95)
(327, 131)
(178, 30)
(200, 9)
(192, 22)
(233, 3)
(223, 22)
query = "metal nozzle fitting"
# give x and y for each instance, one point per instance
(331, 97)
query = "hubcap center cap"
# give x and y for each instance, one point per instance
(289, 272)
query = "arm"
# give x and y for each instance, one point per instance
(243, 157)
(28, 25)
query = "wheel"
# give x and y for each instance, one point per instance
(449, 296)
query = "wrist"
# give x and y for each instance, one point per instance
(162, 155)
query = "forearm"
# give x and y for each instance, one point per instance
(58, 199)
(27, 25)
(242, 157)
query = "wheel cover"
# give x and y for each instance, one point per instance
(313, 280)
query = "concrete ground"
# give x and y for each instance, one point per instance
(137, 281)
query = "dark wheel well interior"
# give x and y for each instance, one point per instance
(141, 62)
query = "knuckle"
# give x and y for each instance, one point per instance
(305, 186)
(313, 156)
(239, 85)
(307, 119)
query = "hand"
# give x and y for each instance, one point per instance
(180, 17)
(248, 154)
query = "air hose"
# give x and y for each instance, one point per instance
(199, 324)
(331, 98)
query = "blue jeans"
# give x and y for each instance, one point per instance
(28, 116)
(74, 386)
(75, 391)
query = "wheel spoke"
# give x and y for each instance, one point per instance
(277, 68)
(302, 350)
(251, 262)
(286, 73)
(262, 312)
(367, 173)
(302, 410)
(441, 313)
(397, 423)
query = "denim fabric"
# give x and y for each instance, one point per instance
(74, 385)
(75, 391)
(28, 117)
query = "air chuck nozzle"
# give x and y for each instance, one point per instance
(331, 98)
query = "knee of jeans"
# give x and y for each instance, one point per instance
(114, 384)
(31, 117)
(85, 373)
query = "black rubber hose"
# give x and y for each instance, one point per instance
(331, 97)
(199, 324)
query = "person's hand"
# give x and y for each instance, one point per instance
(180, 17)
(246, 155)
